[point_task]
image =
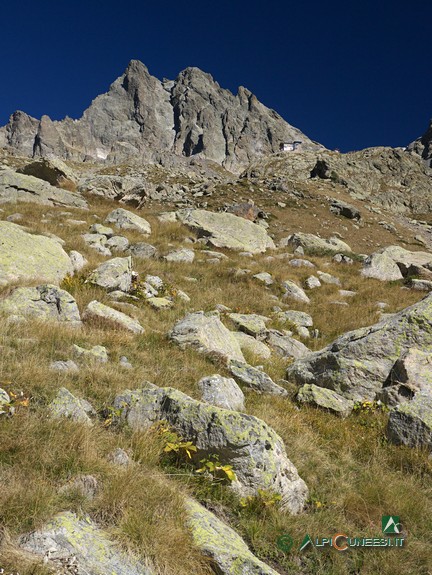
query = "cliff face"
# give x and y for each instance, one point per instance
(141, 117)
(423, 146)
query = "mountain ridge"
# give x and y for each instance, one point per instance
(142, 117)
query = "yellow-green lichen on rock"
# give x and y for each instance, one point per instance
(79, 542)
(25, 256)
(253, 449)
(357, 364)
(227, 550)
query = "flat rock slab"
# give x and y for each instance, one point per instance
(314, 244)
(226, 549)
(25, 256)
(325, 399)
(227, 230)
(206, 334)
(255, 378)
(285, 345)
(43, 303)
(80, 543)
(251, 323)
(99, 311)
(126, 220)
(16, 187)
(257, 454)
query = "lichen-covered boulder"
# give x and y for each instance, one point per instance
(325, 398)
(255, 378)
(411, 373)
(285, 345)
(25, 256)
(221, 392)
(97, 353)
(410, 423)
(381, 267)
(224, 230)
(16, 187)
(251, 323)
(257, 454)
(80, 544)
(206, 334)
(114, 274)
(126, 220)
(99, 311)
(357, 364)
(45, 303)
(314, 244)
(228, 552)
(67, 405)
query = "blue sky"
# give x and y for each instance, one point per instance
(348, 74)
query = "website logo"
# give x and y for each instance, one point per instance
(391, 525)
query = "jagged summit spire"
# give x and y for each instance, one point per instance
(141, 117)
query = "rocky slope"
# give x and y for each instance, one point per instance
(142, 118)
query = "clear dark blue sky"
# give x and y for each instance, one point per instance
(349, 74)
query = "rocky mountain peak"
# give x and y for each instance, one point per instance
(141, 118)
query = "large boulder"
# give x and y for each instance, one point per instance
(228, 552)
(381, 267)
(405, 259)
(114, 274)
(53, 171)
(25, 256)
(44, 303)
(257, 454)
(16, 187)
(127, 220)
(314, 244)
(357, 364)
(206, 334)
(224, 230)
(72, 544)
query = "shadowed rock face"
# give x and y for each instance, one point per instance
(141, 117)
(423, 146)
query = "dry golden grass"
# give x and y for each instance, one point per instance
(351, 470)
